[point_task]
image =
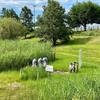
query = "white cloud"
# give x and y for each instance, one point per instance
(18, 4)
(63, 0)
(40, 1)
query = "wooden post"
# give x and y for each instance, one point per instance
(77, 67)
(54, 55)
(37, 73)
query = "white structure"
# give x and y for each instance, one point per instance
(40, 62)
(80, 58)
(34, 63)
(49, 68)
(70, 67)
(44, 61)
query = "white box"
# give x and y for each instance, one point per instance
(49, 68)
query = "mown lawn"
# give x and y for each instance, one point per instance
(84, 85)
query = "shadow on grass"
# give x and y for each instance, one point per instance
(28, 37)
(76, 41)
(89, 66)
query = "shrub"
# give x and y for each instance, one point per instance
(32, 73)
(11, 28)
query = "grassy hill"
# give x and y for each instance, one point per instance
(83, 85)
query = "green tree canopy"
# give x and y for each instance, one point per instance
(83, 13)
(10, 28)
(52, 24)
(9, 13)
(26, 17)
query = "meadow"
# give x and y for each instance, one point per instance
(83, 85)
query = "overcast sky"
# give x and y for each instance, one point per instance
(18, 4)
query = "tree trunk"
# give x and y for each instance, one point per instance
(25, 35)
(54, 41)
(84, 27)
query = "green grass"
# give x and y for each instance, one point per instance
(69, 53)
(17, 54)
(33, 73)
(84, 85)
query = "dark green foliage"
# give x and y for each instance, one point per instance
(83, 13)
(52, 25)
(26, 17)
(9, 13)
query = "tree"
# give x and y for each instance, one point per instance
(10, 28)
(9, 13)
(83, 13)
(26, 17)
(52, 24)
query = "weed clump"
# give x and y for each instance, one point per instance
(32, 73)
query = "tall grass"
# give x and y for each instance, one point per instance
(17, 54)
(66, 87)
(56, 87)
(32, 73)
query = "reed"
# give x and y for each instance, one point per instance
(18, 54)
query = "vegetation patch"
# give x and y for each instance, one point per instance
(18, 54)
(32, 73)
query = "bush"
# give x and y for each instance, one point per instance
(31, 73)
(11, 28)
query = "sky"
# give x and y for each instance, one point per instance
(17, 5)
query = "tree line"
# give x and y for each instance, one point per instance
(54, 23)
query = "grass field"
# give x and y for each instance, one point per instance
(84, 85)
